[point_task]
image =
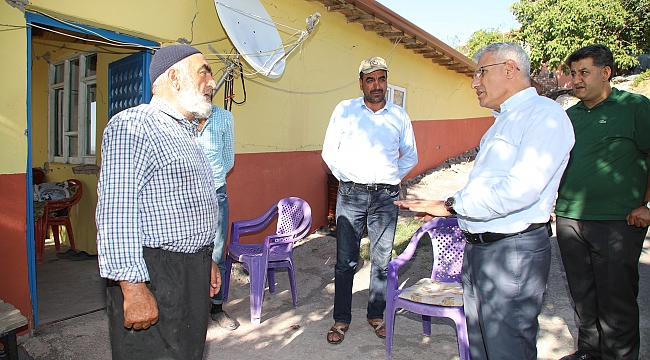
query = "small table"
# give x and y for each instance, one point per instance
(10, 320)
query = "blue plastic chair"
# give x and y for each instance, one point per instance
(448, 244)
(261, 260)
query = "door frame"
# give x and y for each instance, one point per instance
(33, 18)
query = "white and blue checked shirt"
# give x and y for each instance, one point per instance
(217, 139)
(155, 190)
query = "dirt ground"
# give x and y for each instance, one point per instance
(299, 333)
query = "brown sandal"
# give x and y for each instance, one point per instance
(339, 329)
(380, 327)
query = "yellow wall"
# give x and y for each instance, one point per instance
(13, 89)
(271, 120)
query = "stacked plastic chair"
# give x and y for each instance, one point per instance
(261, 260)
(56, 214)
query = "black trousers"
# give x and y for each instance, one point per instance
(601, 260)
(180, 284)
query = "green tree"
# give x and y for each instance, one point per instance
(484, 37)
(552, 29)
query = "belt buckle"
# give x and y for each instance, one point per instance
(373, 187)
(473, 238)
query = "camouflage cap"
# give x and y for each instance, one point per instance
(373, 64)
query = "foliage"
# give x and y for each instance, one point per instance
(484, 37)
(641, 78)
(403, 235)
(552, 29)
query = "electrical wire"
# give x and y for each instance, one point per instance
(303, 92)
(112, 43)
(229, 94)
(257, 17)
(108, 41)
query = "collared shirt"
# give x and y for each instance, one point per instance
(607, 175)
(365, 146)
(155, 190)
(217, 139)
(518, 168)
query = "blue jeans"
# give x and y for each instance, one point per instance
(220, 240)
(356, 208)
(503, 288)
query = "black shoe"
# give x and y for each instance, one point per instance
(65, 254)
(81, 255)
(579, 355)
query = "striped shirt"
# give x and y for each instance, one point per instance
(217, 139)
(155, 190)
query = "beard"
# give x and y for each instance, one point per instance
(192, 100)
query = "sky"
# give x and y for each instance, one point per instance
(454, 21)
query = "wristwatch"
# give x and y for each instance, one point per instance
(647, 204)
(449, 205)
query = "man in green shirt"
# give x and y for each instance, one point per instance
(602, 207)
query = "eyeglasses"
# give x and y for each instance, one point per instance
(479, 72)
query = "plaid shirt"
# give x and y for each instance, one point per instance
(155, 190)
(217, 139)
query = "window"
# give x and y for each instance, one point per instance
(396, 95)
(72, 117)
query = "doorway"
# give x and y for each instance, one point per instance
(69, 97)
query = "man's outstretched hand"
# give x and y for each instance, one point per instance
(424, 209)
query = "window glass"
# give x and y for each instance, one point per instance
(72, 117)
(73, 146)
(91, 65)
(59, 73)
(57, 124)
(91, 119)
(398, 97)
(74, 96)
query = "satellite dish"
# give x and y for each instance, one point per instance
(251, 29)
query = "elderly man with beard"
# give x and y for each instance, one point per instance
(157, 215)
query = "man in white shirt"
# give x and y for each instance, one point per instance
(362, 148)
(505, 207)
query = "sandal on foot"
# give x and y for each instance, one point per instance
(380, 327)
(339, 329)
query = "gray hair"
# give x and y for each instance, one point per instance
(507, 51)
(182, 67)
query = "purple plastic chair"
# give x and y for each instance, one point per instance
(260, 260)
(448, 244)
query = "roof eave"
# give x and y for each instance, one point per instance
(386, 23)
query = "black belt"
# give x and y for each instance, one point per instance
(208, 248)
(371, 187)
(489, 237)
